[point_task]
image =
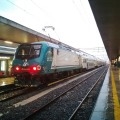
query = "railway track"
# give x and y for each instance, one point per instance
(78, 112)
(46, 104)
(9, 90)
(14, 92)
(42, 112)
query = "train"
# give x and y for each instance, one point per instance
(38, 63)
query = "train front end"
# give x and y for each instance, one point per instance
(26, 66)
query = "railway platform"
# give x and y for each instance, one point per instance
(108, 103)
(6, 81)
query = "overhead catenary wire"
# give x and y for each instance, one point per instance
(36, 5)
(36, 17)
(20, 8)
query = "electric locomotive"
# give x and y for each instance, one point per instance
(35, 63)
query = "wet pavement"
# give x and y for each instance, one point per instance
(108, 103)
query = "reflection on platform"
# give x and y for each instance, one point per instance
(108, 104)
(6, 81)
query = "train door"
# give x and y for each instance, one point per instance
(84, 63)
(49, 58)
(55, 53)
(80, 61)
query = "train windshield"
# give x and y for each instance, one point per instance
(28, 51)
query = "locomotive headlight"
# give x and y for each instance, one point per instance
(17, 68)
(36, 68)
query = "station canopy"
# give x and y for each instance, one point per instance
(11, 31)
(107, 16)
(12, 34)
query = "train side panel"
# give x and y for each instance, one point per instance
(88, 63)
(65, 60)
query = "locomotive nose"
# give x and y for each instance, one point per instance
(32, 69)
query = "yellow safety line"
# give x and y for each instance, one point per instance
(115, 99)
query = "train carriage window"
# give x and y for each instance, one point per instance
(84, 60)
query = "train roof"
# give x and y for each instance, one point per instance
(67, 47)
(48, 43)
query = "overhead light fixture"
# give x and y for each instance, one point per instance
(9, 42)
(4, 57)
(5, 47)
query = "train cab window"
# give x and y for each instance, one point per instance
(36, 49)
(28, 51)
(52, 51)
